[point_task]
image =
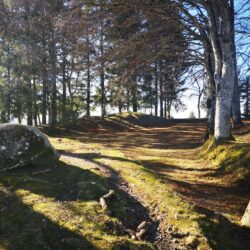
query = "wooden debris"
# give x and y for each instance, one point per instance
(140, 234)
(141, 226)
(109, 195)
(140, 230)
(105, 198)
(103, 203)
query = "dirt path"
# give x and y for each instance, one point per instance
(137, 210)
(171, 153)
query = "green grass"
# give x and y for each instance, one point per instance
(232, 159)
(60, 210)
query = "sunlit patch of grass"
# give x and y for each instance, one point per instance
(232, 160)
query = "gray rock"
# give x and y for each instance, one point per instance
(246, 217)
(24, 145)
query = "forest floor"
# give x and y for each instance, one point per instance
(192, 197)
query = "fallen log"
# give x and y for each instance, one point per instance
(141, 226)
(139, 235)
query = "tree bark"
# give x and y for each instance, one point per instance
(134, 94)
(88, 76)
(156, 89)
(53, 106)
(161, 91)
(102, 72)
(211, 92)
(247, 89)
(34, 103)
(44, 94)
(236, 110)
(64, 85)
(219, 20)
(29, 103)
(198, 107)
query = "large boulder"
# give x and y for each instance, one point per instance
(24, 145)
(246, 217)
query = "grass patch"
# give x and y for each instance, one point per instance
(231, 159)
(60, 210)
(168, 207)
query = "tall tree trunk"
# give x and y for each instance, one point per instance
(88, 76)
(27, 76)
(29, 102)
(224, 95)
(8, 97)
(102, 73)
(199, 109)
(34, 103)
(71, 97)
(168, 110)
(236, 111)
(88, 85)
(219, 19)
(44, 91)
(120, 107)
(247, 99)
(165, 109)
(19, 119)
(134, 94)
(156, 89)
(128, 99)
(53, 106)
(211, 93)
(64, 86)
(44, 80)
(161, 91)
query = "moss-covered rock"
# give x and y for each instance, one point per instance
(24, 145)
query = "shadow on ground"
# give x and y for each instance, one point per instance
(21, 227)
